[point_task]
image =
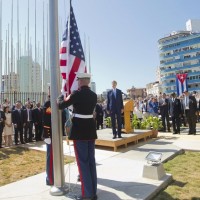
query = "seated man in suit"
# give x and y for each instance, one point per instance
(115, 107)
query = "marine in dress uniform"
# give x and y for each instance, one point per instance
(83, 133)
(48, 137)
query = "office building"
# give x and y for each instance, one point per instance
(180, 53)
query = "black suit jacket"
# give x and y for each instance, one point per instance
(25, 115)
(164, 109)
(175, 108)
(17, 118)
(192, 104)
(2, 120)
(37, 115)
(115, 104)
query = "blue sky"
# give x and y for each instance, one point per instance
(123, 34)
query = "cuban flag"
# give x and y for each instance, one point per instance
(181, 83)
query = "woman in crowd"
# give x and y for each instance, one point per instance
(8, 129)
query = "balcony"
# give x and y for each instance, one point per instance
(168, 77)
(169, 84)
(194, 81)
(180, 53)
(194, 37)
(181, 68)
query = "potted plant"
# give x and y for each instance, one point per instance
(155, 124)
(136, 123)
(145, 124)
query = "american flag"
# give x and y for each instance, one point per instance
(72, 61)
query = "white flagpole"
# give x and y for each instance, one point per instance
(25, 53)
(8, 55)
(57, 142)
(68, 48)
(11, 75)
(43, 66)
(28, 31)
(1, 46)
(47, 77)
(89, 56)
(34, 70)
(6, 64)
(18, 51)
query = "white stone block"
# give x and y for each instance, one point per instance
(155, 172)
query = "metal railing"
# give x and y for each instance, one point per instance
(23, 97)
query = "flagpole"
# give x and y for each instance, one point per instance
(11, 75)
(43, 65)
(68, 48)
(6, 64)
(57, 142)
(8, 57)
(1, 46)
(34, 70)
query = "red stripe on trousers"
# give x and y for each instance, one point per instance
(79, 168)
(51, 166)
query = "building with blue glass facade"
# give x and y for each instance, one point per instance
(180, 53)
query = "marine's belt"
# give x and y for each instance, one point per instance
(82, 116)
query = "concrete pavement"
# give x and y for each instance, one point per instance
(119, 173)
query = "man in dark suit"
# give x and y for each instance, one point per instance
(17, 119)
(28, 122)
(164, 112)
(190, 107)
(83, 133)
(37, 120)
(99, 115)
(175, 112)
(2, 120)
(115, 107)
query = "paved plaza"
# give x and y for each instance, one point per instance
(119, 173)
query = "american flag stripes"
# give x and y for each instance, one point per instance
(74, 60)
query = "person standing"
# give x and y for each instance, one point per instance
(99, 115)
(28, 122)
(8, 128)
(2, 124)
(115, 108)
(17, 119)
(83, 133)
(164, 112)
(190, 108)
(175, 112)
(48, 140)
(37, 121)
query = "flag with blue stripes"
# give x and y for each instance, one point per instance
(181, 83)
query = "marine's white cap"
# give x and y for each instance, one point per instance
(81, 75)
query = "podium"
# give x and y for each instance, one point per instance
(128, 108)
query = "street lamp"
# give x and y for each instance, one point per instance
(154, 158)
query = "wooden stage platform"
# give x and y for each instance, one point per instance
(105, 138)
